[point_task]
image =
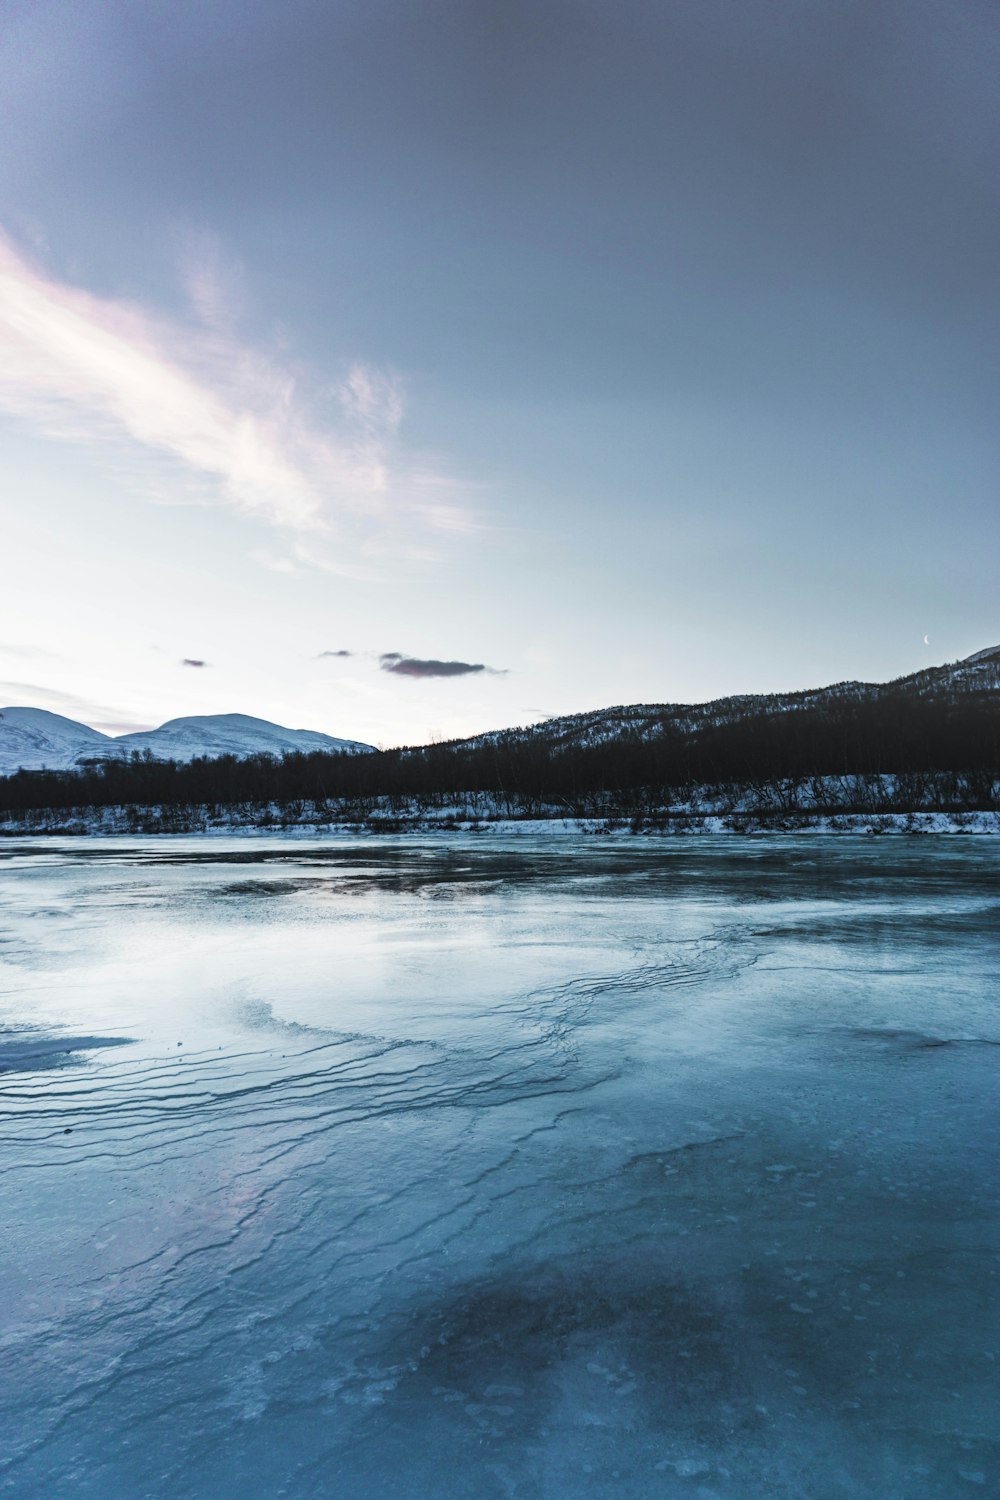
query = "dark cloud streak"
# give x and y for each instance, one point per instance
(413, 666)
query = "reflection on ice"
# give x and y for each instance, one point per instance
(459, 1170)
(22, 1049)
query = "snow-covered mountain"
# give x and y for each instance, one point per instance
(35, 740)
(38, 740)
(229, 734)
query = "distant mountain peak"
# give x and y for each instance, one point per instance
(34, 739)
(45, 719)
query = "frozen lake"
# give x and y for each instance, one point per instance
(484, 1168)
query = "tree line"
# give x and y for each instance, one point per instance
(937, 748)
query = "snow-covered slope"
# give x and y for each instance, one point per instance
(35, 740)
(979, 673)
(229, 734)
(42, 741)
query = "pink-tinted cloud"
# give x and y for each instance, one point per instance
(226, 419)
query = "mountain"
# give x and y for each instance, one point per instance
(33, 739)
(229, 734)
(38, 740)
(643, 722)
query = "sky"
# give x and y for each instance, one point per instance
(407, 370)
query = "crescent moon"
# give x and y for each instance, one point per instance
(927, 640)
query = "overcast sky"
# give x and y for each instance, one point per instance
(618, 351)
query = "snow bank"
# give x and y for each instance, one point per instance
(313, 822)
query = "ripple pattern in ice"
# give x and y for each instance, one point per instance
(499, 1172)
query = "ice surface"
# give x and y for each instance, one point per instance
(442, 1168)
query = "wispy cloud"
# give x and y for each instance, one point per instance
(33, 653)
(72, 705)
(371, 399)
(321, 654)
(228, 419)
(212, 279)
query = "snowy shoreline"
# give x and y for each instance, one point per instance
(169, 822)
